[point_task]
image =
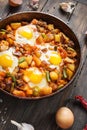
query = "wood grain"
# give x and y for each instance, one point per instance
(41, 113)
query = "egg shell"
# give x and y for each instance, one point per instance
(64, 118)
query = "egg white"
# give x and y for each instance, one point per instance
(23, 40)
(14, 60)
(45, 56)
(42, 84)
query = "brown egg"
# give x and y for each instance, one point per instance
(64, 118)
(15, 3)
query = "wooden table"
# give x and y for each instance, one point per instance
(41, 113)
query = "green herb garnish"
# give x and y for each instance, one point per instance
(64, 73)
(22, 59)
(48, 76)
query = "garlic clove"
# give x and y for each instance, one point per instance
(16, 124)
(86, 32)
(67, 6)
(34, 4)
(22, 126)
(27, 126)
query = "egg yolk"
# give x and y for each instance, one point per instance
(6, 60)
(34, 75)
(55, 59)
(26, 33)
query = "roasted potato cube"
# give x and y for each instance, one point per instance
(50, 26)
(10, 41)
(29, 59)
(45, 91)
(36, 60)
(27, 90)
(23, 65)
(71, 67)
(69, 73)
(18, 93)
(25, 78)
(15, 25)
(39, 40)
(57, 38)
(8, 28)
(53, 75)
(69, 60)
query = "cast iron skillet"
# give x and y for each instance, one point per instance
(58, 23)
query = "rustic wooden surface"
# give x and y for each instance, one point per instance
(41, 113)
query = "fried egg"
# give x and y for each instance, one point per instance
(51, 57)
(35, 77)
(8, 61)
(26, 34)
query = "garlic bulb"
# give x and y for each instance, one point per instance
(22, 126)
(67, 6)
(34, 4)
(86, 32)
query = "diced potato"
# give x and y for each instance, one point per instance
(39, 40)
(4, 42)
(25, 87)
(62, 82)
(50, 26)
(71, 52)
(53, 75)
(27, 47)
(68, 60)
(25, 78)
(2, 35)
(71, 67)
(38, 54)
(54, 86)
(55, 31)
(4, 45)
(34, 21)
(41, 29)
(29, 92)
(8, 28)
(9, 35)
(46, 91)
(69, 73)
(29, 59)
(15, 25)
(50, 37)
(37, 60)
(3, 74)
(46, 39)
(11, 41)
(23, 64)
(18, 93)
(57, 38)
